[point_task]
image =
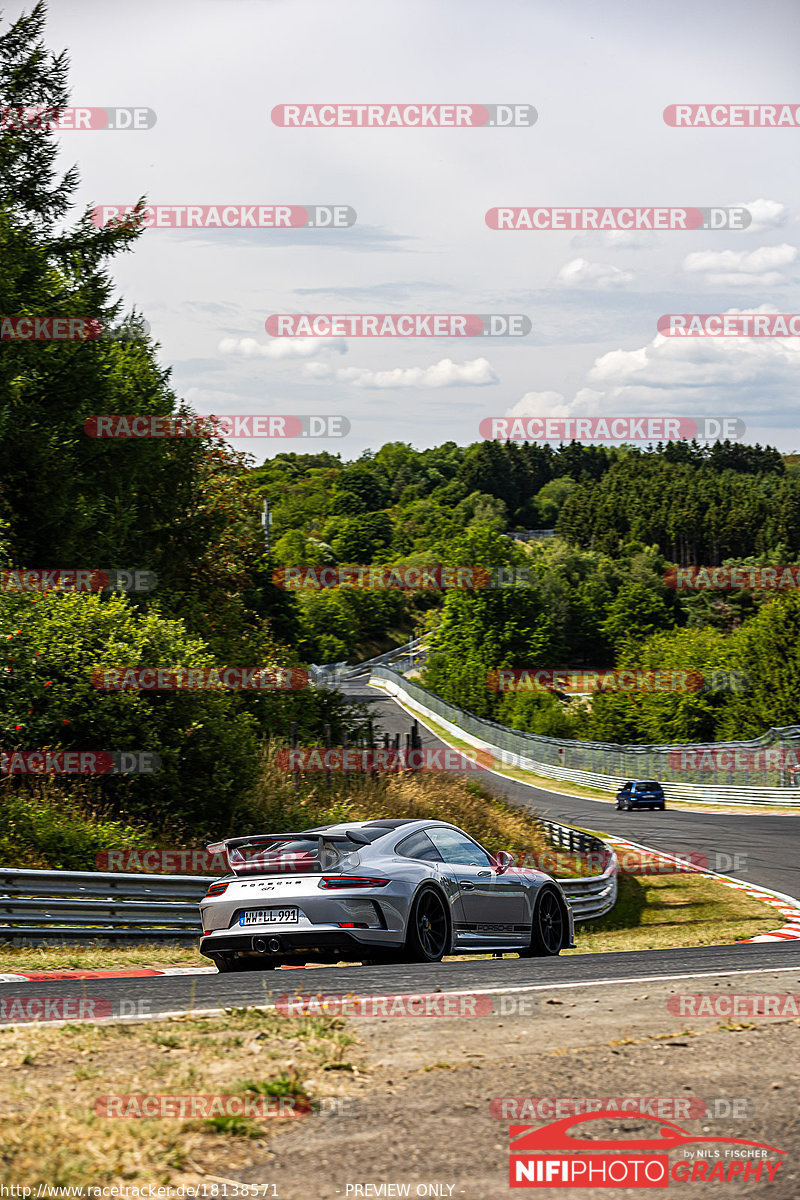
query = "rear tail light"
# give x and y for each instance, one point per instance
(351, 881)
(216, 889)
(353, 925)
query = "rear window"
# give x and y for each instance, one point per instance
(291, 856)
(650, 785)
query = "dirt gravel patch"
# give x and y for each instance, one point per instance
(427, 1119)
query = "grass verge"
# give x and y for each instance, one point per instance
(48, 825)
(98, 957)
(665, 912)
(51, 1078)
(432, 795)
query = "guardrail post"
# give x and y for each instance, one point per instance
(327, 733)
(294, 741)
(373, 770)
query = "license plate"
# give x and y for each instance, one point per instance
(269, 916)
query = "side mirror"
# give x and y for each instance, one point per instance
(502, 861)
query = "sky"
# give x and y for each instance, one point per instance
(599, 76)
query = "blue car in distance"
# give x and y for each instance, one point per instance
(641, 793)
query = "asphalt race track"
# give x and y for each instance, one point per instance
(770, 844)
(161, 995)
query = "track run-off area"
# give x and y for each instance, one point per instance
(765, 844)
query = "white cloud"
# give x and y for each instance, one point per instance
(477, 373)
(674, 376)
(698, 364)
(208, 399)
(619, 239)
(580, 273)
(732, 268)
(540, 404)
(766, 214)
(282, 347)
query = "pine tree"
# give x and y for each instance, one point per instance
(174, 506)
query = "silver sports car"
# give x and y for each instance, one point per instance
(367, 891)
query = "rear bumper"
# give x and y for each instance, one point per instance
(327, 946)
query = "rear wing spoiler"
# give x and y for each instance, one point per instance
(257, 839)
(353, 837)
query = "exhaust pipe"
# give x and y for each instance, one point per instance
(266, 946)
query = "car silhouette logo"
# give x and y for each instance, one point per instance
(555, 1136)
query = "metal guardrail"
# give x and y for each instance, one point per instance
(84, 906)
(402, 656)
(42, 907)
(531, 535)
(548, 757)
(320, 674)
(592, 895)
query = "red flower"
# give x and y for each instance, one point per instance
(18, 727)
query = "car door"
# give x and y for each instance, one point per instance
(493, 904)
(419, 846)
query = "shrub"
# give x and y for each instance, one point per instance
(49, 647)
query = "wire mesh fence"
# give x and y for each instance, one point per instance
(765, 770)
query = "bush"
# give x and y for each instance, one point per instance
(47, 827)
(49, 647)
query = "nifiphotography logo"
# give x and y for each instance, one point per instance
(549, 1156)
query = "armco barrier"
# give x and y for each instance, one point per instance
(402, 657)
(600, 765)
(86, 906)
(593, 895)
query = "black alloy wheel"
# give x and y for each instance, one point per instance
(547, 936)
(428, 931)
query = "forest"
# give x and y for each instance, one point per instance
(187, 510)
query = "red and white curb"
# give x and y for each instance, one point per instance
(787, 906)
(144, 973)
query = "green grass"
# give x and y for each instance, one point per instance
(659, 912)
(50, 827)
(97, 957)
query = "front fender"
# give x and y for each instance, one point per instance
(449, 901)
